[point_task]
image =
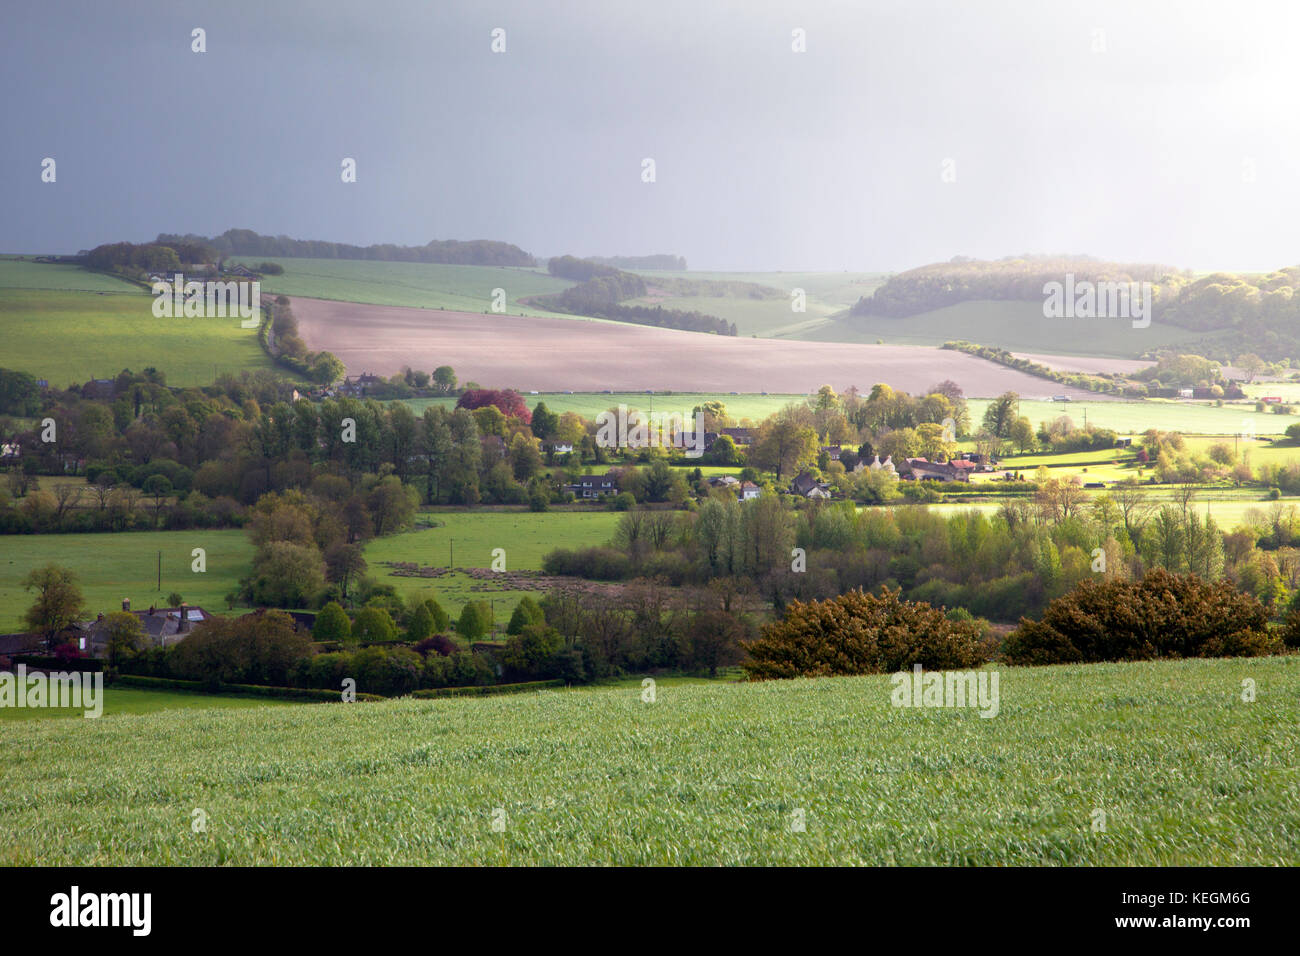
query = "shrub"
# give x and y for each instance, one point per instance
(374, 625)
(332, 624)
(258, 648)
(527, 611)
(1163, 615)
(860, 633)
(475, 620)
(439, 644)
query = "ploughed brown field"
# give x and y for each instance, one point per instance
(551, 355)
(1092, 364)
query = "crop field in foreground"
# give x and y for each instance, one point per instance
(1185, 771)
(133, 700)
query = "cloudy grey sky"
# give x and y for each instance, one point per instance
(1176, 144)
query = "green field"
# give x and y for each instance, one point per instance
(415, 284)
(71, 337)
(525, 536)
(132, 700)
(1018, 326)
(752, 406)
(1185, 772)
(111, 567)
(1228, 512)
(826, 293)
(23, 274)
(1133, 418)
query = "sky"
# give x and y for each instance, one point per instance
(903, 133)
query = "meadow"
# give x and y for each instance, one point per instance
(111, 567)
(69, 337)
(1133, 418)
(1018, 326)
(21, 273)
(525, 536)
(420, 285)
(714, 774)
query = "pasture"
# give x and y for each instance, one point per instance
(111, 567)
(70, 337)
(469, 538)
(1018, 326)
(1133, 418)
(418, 285)
(710, 774)
(19, 273)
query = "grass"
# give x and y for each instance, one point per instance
(525, 536)
(1133, 418)
(132, 700)
(416, 284)
(70, 337)
(111, 567)
(18, 273)
(753, 406)
(709, 774)
(1018, 326)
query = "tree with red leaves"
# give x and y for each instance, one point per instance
(510, 402)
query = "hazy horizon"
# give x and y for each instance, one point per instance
(1161, 139)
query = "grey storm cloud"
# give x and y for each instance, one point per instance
(1153, 131)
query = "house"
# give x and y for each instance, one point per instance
(1186, 393)
(886, 465)
(958, 470)
(596, 486)
(806, 486)
(356, 387)
(724, 481)
(162, 627)
(749, 491)
(10, 451)
(741, 436)
(557, 447)
(105, 388)
(11, 644)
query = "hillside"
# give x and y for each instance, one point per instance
(707, 774)
(555, 354)
(68, 325)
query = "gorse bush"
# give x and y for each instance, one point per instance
(861, 633)
(1163, 615)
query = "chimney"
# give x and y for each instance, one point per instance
(126, 604)
(185, 619)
